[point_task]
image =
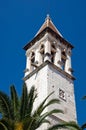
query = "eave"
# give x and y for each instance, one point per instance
(40, 35)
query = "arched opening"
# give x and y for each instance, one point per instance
(32, 61)
(32, 57)
(42, 48)
(53, 51)
(63, 59)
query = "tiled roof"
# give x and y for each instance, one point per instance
(48, 23)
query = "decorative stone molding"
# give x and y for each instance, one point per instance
(60, 62)
(34, 64)
(71, 70)
(54, 66)
(26, 70)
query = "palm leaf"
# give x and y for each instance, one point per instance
(5, 105)
(83, 126)
(14, 101)
(72, 125)
(52, 101)
(6, 124)
(31, 98)
(2, 126)
(84, 97)
(42, 118)
(46, 121)
(29, 123)
(36, 123)
(69, 125)
(24, 102)
(40, 107)
(46, 114)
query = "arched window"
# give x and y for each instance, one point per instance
(63, 59)
(42, 48)
(53, 51)
(32, 57)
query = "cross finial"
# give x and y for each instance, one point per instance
(48, 17)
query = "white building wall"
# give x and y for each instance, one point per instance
(47, 80)
(57, 81)
(39, 80)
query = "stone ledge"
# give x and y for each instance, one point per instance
(51, 64)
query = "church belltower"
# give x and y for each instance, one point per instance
(48, 68)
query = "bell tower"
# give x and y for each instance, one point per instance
(48, 68)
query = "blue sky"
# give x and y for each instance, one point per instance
(19, 22)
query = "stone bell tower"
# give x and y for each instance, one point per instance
(48, 68)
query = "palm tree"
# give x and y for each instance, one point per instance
(68, 126)
(17, 113)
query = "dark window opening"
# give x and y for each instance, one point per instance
(42, 51)
(53, 51)
(63, 59)
(33, 57)
(52, 56)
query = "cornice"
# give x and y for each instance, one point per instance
(54, 66)
(40, 35)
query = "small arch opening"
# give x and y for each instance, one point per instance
(42, 48)
(63, 59)
(53, 51)
(52, 56)
(33, 57)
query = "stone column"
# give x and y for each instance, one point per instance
(47, 52)
(37, 56)
(58, 57)
(28, 66)
(68, 68)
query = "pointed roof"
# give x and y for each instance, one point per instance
(47, 27)
(48, 23)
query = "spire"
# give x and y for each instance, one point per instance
(48, 23)
(47, 20)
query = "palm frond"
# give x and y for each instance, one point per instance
(83, 126)
(46, 121)
(52, 101)
(31, 98)
(24, 102)
(6, 124)
(41, 119)
(36, 123)
(30, 123)
(46, 114)
(5, 105)
(40, 107)
(69, 125)
(2, 126)
(84, 97)
(72, 125)
(14, 101)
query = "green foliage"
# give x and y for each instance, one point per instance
(5, 106)
(83, 126)
(67, 126)
(14, 102)
(17, 113)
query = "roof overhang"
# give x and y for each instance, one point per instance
(40, 35)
